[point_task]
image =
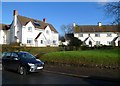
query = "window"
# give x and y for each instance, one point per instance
(14, 55)
(109, 34)
(29, 41)
(109, 42)
(97, 42)
(7, 55)
(41, 41)
(80, 35)
(47, 31)
(29, 28)
(97, 34)
(36, 23)
(54, 42)
(89, 34)
(27, 56)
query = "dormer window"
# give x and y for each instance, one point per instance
(97, 34)
(30, 29)
(36, 23)
(109, 34)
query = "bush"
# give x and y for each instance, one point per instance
(84, 47)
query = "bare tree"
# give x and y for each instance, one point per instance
(67, 28)
(113, 10)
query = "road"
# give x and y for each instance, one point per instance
(10, 77)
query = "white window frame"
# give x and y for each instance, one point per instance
(54, 42)
(109, 42)
(97, 42)
(30, 29)
(47, 32)
(109, 34)
(29, 40)
(97, 34)
(80, 34)
(41, 41)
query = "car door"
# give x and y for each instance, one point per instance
(15, 60)
(6, 60)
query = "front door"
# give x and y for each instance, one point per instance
(36, 43)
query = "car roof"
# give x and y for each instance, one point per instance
(16, 52)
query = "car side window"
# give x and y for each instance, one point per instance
(4, 54)
(14, 55)
(7, 55)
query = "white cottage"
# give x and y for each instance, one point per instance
(32, 32)
(4, 33)
(98, 34)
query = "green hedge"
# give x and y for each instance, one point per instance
(33, 50)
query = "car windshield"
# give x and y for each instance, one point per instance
(27, 56)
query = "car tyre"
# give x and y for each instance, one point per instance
(22, 70)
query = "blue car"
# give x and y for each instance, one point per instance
(22, 62)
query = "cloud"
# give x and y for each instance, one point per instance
(108, 1)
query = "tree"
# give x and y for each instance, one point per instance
(113, 9)
(67, 28)
(75, 42)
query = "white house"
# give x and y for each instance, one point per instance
(97, 34)
(32, 32)
(4, 34)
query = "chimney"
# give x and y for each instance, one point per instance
(44, 20)
(15, 13)
(99, 24)
(74, 24)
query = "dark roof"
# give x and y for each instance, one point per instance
(41, 25)
(95, 28)
(4, 27)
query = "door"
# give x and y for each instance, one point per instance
(6, 60)
(36, 43)
(15, 61)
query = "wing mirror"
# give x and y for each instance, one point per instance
(15, 58)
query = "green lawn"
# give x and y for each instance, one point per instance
(105, 57)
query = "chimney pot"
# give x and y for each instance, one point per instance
(44, 20)
(15, 13)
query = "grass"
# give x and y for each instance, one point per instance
(104, 57)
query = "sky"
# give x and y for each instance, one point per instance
(57, 13)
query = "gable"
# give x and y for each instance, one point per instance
(89, 38)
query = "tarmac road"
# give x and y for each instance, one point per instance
(10, 77)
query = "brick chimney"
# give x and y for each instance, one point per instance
(44, 20)
(15, 12)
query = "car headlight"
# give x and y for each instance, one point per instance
(30, 64)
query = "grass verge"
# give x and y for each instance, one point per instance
(88, 57)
